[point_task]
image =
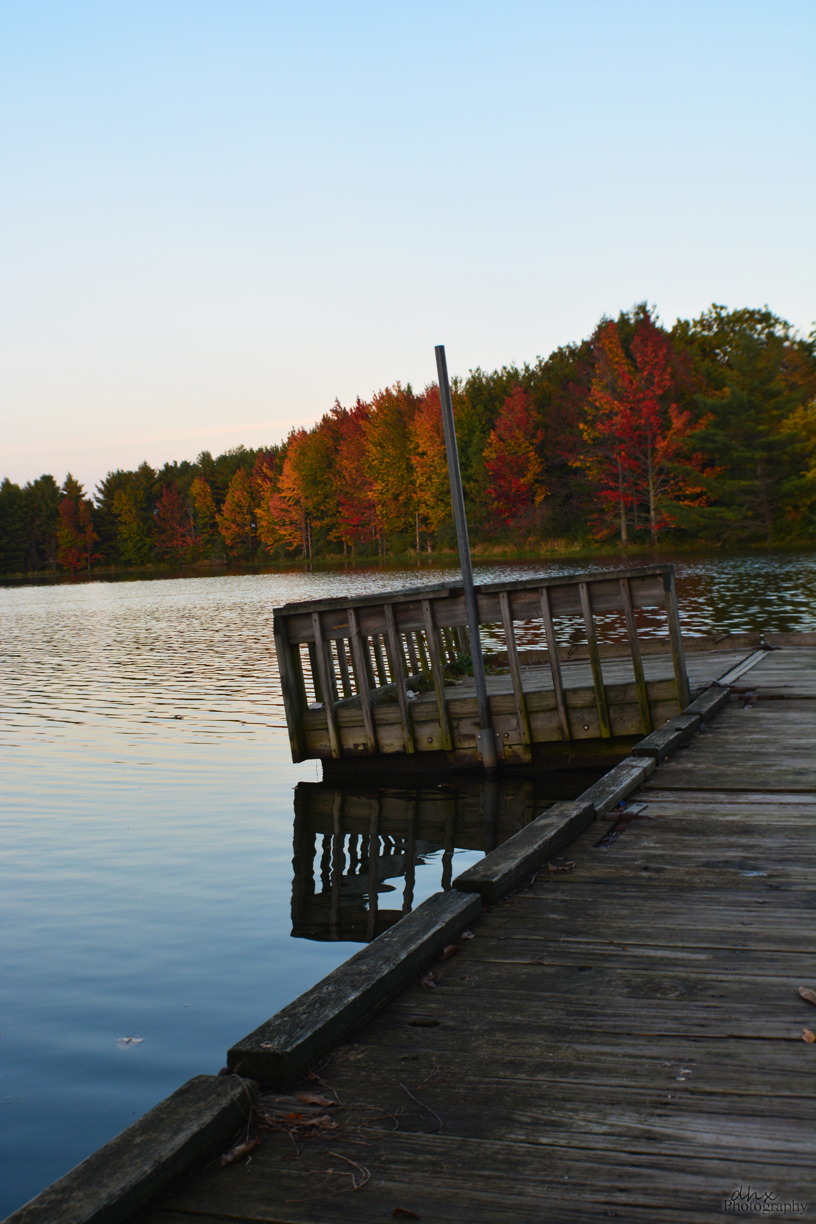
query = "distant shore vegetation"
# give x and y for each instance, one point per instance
(705, 433)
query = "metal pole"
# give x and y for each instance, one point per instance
(487, 742)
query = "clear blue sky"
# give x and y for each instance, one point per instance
(218, 215)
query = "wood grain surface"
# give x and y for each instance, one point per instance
(621, 1038)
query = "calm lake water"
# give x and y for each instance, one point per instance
(148, 887)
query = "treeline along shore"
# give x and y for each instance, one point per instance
(702, 433)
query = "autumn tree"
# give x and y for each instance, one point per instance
(429, 460)
(388, 459)
(636, 438)
(477, 404)
(175, 526)
(75, 533)
(511, 460)
(204, 513)
(237, 521)
(356, 510)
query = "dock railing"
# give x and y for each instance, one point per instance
(347, 654)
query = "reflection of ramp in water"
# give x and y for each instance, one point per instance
(349, 843)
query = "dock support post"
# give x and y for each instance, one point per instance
(487, 741)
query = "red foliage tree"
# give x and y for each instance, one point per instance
(175, 531)
(636, 440)
(356, 511)
(511, 458)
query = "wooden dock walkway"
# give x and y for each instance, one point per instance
(621, 1038)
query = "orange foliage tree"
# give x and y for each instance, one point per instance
(430, 463)
(204, 513)
(237, 522)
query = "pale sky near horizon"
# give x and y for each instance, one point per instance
(219, 215)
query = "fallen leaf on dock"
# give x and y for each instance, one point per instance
(449, 951)
(296, 1125)
(808, 1036)
(427, 981)
(402, 1213)
(124, 1042)
(809, 995)
(237, 1153)
(312, 1098)
(565, 867)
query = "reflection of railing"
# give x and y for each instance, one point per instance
(348, 844)
(354, 671)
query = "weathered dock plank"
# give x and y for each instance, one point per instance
(622, 1036)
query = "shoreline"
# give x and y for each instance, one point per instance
(436, 560)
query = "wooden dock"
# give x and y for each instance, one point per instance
(386, 675)
(620, 1039)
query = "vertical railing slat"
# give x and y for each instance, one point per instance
(637, 661)
(293, 688)
(396, 663)
(676, 640)
(345, 678)
(515, 670)
(332, 670)
(321, 656)
(438, 677)
(317, 683)
(412, 654)
(595, 661)
(379, 661)
(424, 661)
(555, 666)
(358, 653)
(449, 643)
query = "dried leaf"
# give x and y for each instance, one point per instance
(808, 1036)
(237, 1153)
(809, 995)
(449, 951)
(565, 867)
(294, 1117)
(467, 935)
(312, 1098)
(124, 1042)
(402, 1213)
(427, 981)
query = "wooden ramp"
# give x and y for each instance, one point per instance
(621, 1039)
(386, 675)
